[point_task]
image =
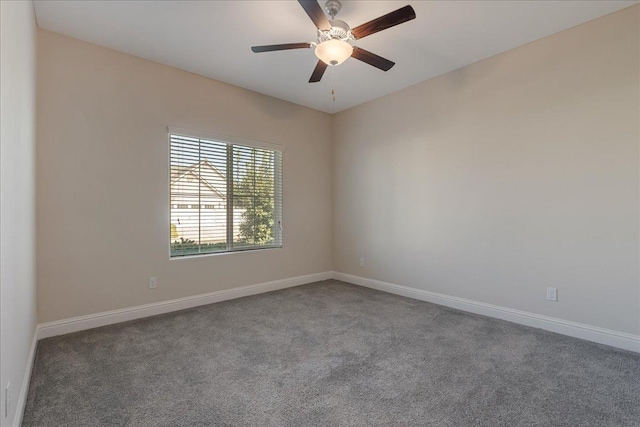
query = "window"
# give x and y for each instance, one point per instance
(224, 196)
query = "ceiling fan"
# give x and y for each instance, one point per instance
(335, 38)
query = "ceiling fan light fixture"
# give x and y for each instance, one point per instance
(334, 52)
(333, 45)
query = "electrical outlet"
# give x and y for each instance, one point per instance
(361, 261)
(153, 283)
(7, 399)
(552, 294)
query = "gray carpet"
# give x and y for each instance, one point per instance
(329, 354)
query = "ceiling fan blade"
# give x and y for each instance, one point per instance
(316, 14)
(273, 47)
(372, 59)
(316, 76)
(386, 21)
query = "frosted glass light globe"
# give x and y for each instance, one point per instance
(334, 52)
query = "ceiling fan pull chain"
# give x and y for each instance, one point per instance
(333, 83)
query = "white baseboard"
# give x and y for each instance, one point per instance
(573, 329)
(26, 380)
(81, 323)
(578, 330)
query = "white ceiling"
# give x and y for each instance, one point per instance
(213, 39)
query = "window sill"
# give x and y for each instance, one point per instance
(237, 251)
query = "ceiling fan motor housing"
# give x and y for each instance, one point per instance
(339, 30)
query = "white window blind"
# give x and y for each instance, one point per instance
(224, 196)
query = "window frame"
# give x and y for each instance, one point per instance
(230, 141)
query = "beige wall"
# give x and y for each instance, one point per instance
(505, 177)
(102, 189)
(17, 207)
(490, 183)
